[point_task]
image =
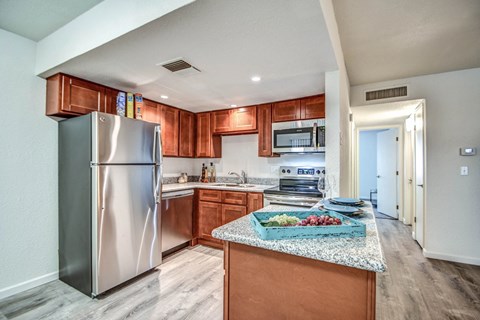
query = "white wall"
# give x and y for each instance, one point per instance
(452, 121)
(368, 162)
(339, 156)
(28, 172)
(113, 18)
(241, 153)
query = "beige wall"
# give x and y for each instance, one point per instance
(452, 121)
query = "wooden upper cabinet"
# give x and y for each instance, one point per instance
(244, 119)
(313, 107)
(255, 201)
(111, 100)
(68, 96)
(207, 145)
(221, 121)
(286, 111)
(186, 143)
(235, 121)
(151, 111)
(264, 113)
(169, 123)
(232, 212)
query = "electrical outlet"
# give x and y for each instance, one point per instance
(464, 171)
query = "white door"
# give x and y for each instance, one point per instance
(387, 172)
(419, 176)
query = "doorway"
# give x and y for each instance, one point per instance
(378, 169)
(408, 117)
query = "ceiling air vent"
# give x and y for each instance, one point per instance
(386, 93)
(179, 65)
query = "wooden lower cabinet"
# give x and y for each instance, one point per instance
(209, 218)
(218, 207)
(265, 284)
(232, 212)
(255, 201)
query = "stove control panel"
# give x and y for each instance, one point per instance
(301, 172)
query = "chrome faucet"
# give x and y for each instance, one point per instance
(243, 177)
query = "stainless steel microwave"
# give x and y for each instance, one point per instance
(305, 136)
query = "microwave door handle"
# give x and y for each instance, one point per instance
(314, 137)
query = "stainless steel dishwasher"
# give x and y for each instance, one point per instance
(177, 216)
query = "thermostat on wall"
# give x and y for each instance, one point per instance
(468, 151)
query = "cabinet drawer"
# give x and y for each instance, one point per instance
(232, 212)
(210, 195)
(234, 197)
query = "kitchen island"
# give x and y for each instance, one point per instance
(325, 278)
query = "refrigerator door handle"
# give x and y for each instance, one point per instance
(158, 169)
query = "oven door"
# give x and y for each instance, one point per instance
(290, 200)
(294, 140)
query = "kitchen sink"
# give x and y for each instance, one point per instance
(236, 185)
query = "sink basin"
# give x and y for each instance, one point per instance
(246, 185)
(225, 184)
(236, 185)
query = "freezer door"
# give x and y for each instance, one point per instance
(126, 235)
(120, 140)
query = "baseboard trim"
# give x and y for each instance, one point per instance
(29, 284)
(453, 258)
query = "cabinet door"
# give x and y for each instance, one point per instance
(313, 107)
(221, 121)
(265, 130)
(209, 218)
(169, 122)
(234, 197)
(286, 111)
(255, 201)
(151, 111)
(203, 135)
(111, 100)
(244, 119)
(186, 147)
(207, 146)
(232, 212)
(82, 97)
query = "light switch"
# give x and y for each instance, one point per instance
(464, 171)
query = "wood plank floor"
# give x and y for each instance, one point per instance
(418, 288)
(189, 285)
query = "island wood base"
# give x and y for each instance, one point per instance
(265, 284)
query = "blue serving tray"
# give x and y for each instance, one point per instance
(348, 229)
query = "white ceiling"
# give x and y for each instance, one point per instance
(36, 19)
(385, 40)
(391, 113)
(285, 42)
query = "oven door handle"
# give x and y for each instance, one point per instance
(289, 198)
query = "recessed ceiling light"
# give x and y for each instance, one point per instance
(233, 105)
(164, 97)
(256, 78)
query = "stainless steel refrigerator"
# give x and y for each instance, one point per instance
(110, 173)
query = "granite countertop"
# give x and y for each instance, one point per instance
(362, 253)
(192, 185)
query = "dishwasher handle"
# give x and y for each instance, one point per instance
(176, 194)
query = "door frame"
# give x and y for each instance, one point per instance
(425, 184)
(400, 166)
